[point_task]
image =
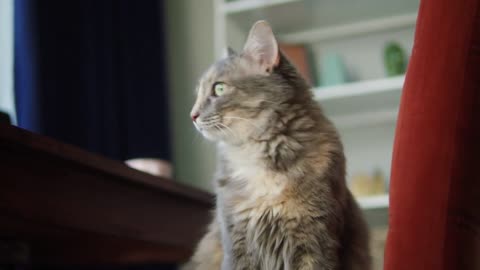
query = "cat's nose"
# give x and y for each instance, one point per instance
(195, 116)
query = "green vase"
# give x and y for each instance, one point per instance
(395, 60)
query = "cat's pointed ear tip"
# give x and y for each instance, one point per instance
(261, 23)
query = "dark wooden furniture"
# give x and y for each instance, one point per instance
(63, 205)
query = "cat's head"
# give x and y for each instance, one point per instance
(240, 96)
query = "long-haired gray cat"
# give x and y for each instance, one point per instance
(282, 200)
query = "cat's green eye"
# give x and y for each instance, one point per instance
(218, 88)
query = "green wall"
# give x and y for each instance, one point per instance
(190, 52)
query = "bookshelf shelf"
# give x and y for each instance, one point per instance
(233, 7)
(373, 202)
(361, 103)
(351, 29)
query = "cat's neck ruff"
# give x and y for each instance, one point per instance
(249, 172)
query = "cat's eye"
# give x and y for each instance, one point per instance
(218, 88)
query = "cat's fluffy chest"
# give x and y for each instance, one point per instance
(254, 197)
(250, 179)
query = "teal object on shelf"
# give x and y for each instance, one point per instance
(333, 70)
(395, 60)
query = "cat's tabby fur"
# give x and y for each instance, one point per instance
(282, 200)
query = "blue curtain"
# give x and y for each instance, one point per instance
(93, 73)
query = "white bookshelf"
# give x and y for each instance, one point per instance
(365, 109)
(367, 87)
(361, 104)
(307, 20)
(365, 119)
(351, 29)
(252, 5)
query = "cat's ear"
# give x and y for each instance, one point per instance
(228, 52)
(262, 47)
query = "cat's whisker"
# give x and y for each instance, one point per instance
(197, 138)
(222, 130)
(210, 119)
(229, 129)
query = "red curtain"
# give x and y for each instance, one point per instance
(435, 183)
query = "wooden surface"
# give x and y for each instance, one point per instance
(71, 206)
